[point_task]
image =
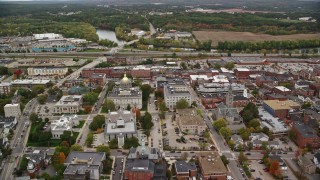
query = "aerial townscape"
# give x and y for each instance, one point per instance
(160, 90)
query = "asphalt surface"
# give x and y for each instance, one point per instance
(118, 166)
(219, 141)
(18, 142)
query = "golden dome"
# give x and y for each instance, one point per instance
(125, 79)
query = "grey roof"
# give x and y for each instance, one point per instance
(236, 138)
(144, 165)
(239, 98)
(127, 116)
(317, 156)
(117, 92)
(80, 169)
(95, 157)
(305, 131)
(182, 166)
(6, 119)
(144, 153)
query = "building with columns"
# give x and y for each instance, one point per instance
(124, 94)
(120, 125)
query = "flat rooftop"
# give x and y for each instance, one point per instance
(189, 117)
(273, 123)
(211, 163)
(277, 105)
(95, 157)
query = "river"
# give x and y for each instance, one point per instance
(110, 35)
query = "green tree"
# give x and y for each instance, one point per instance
(97, 122)
(183, 65)
(37, 89)
(113, 144)
(76, 147)
(244, 133)
(42, 98)
(146, 91)
(231, 144)
(182, 104)
(225, 132)
(146, 122)
(218, 124)
(4, 71)
(33, 117)
(103, 148)
(90, 98)
(131, 142)
(255, 123)
(162, 106)
(46, 176)
(242, 158)
(249, 112)
(229, 65)
(108, 105)
(128, 107)
(224, 160)
(89, 139)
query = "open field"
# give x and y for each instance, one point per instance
(217, 36)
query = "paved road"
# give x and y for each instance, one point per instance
(155, 139)
(18, 142)
(118, 166)
(218, 140)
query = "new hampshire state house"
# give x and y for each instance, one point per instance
(124, 94)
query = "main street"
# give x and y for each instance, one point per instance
(218, 140)
(18, 141)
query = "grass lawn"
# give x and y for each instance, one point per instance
(81, 123)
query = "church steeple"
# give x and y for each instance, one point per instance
(229, 97)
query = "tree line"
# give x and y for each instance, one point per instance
(267, 45)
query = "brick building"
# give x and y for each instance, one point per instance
(5, 88)
(97, 79)
(141, 72)
(305, 135)
(280, 109)
(185, 170)
(211, 166)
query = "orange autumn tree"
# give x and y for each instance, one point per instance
(274, 168)
(62, 157)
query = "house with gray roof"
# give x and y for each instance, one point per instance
(84, 165)
(237, 140)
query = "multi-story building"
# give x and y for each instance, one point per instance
(144, 163)
(36, 160)
(174, 91)
(68, 105)
(211, 166)
(5, 88)
(141, 72)
(96, 79)
(124, 94)
(29, 83)
(12, 110)
(65, 123)
(84, 165)
(8, 122)
(185, 170)
(47, 71)
(120, 125)
(190, 122)
(305, 136)
(280, 109)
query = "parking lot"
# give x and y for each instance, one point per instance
(98, 139)
(259, 172)
(171, 133)
(45, 110)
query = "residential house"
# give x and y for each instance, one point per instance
(237, 140)
(278, 158)
(316, 159)
(306, 165)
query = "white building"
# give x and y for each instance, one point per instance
(47, 36)
(29, 83)
(125, 94)
(12, 110)
(47, 71)
(120, 125)
(65, 123)
(5, 88)
(68, 105)
(175, 91)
